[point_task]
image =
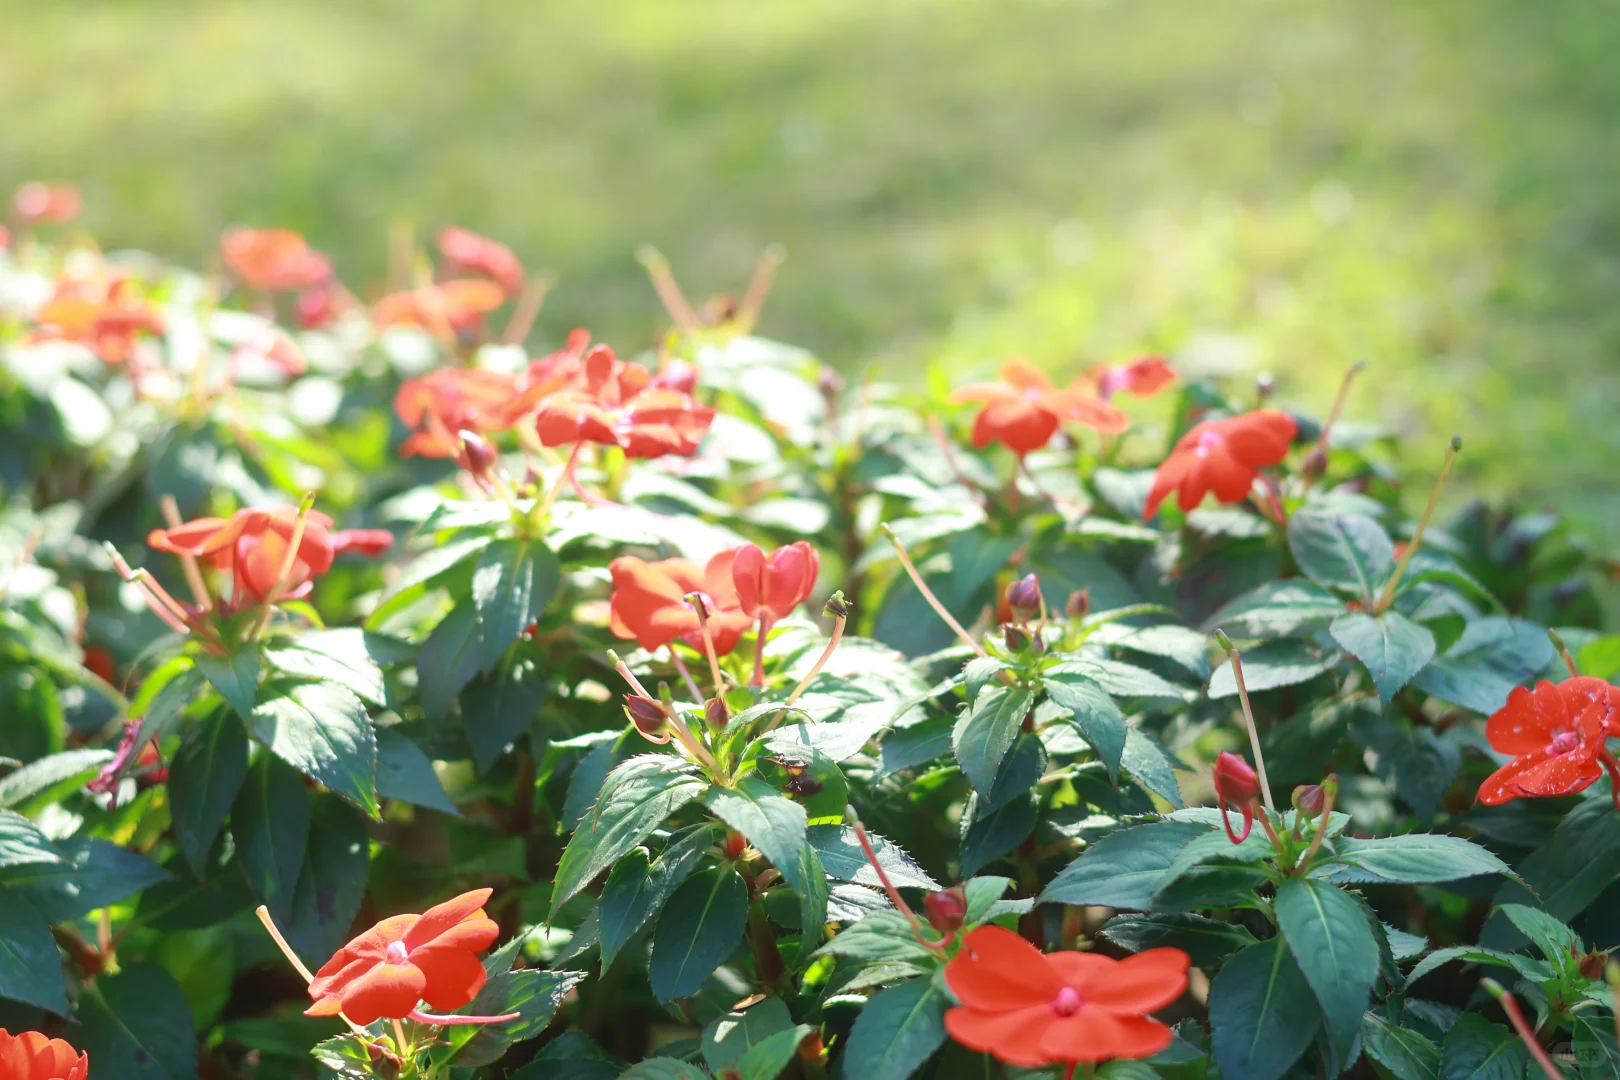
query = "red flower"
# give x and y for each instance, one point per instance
(450, 307)
(31, 1056)
(50, 204)
(1223, 456)
(1556, 733)
(1142, 377)
(467, 252)
(649, 602)
(1030, 1008)
(272, 346)
(317, 306)
(104, 316)
(1023, 411)
(612, 402)
(1235, 783)
(407, 959)
(253, 544)
(441, 403)
(274, 260)
(770, 588)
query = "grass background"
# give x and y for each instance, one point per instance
(1250, 185)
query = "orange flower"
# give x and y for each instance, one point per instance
(770, 588)
(106, 317)
(467, 252)
(274, 260)
(1557, 733)
(612, 402)
(1030, 1008)
(450, 307)
(50, 204)
(649, 602)
(1023, 411)
(1142, 377)
(389, 970)
(252, 546)
(1223, 456)
(31, 1056)
(441, 403)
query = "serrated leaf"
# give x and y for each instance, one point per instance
(512, 583)
(532, 993)
(322, 730)
(898, 1029)
(1402, 1050)
(22, 843)
(405, 773)
(1093, 712)
(1123, 869)
(728, 1037)
(70, 769)
(986, 730)
(497, 708)
(637, 890)
(776, 825)
(1332, 941)
(699, 928)
(1212, 847)
(1184, 647)
(1277, 609)
(92, 874)
(449, 658)
(1261, 1012)
(1272, 665)
(1119, 678)
(1152, 767)
(986, 839)
(1556, 941)
(236, 677)
(1207, 941)
(882, 937)
(136, 1025)
(270, 822)
(845, 860)
(1414, 859)
(30, 966)
(332, 883)
(1343, 551)
(1476, 1049)
(1393, 648)
(204, 779)
(1530, 969)
(349, 656)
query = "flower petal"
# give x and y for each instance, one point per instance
(441, 917)
(1096, 1035)
(1139, 984)
(390, 990)
(1013, 1037)
(998, 970)
(454, 976)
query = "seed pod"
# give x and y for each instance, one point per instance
(715, 713)
(1308, 800)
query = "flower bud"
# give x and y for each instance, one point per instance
(1024, 595)
(476, 455)
(830, 383)
(1079, 605)
(1263, 385)
(837, 606)
(1016, 636)
(715, 713)
(646, 714)
(1308, 800)
(1315, 462)
(1592, 964)
(946, 909)
(734, 843)
(1235, 780)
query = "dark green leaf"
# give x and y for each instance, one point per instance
(1207, 941)
(1401, 1049)
(345, 1055)
(1413, 859)
(1119, 679)
(570, 1056)
(1211, 847)
(236, 677)
(204, 779)
(1277, 609)
(986, 730)
(1474, 954)
(699, 928)
(1572, 871)
(333, 881)
(1555, 940)
(845, 860)
(1332, 941)
(1020, 771)
(1182, 646)
(1418, 765)
(450, 657)
(727, 1038)
(635, 800)
(1392, 646)
(897, 1030)
(1476, 1049)
(986, 839)
(136, 1025)
(1261, 1012)
(512, 583)
(69, 770)
(1342, 551)
(405, 773)
(270, 821)
(1094, 713)
(30, 967)
(531, 993)
(322, 730)
(882, 937)
(1151, 766)
(92, 874)
(22, 843)
(660, 1069)
(1273, 664)
(635, 891)
(1123, 868)
(348, 656)
(497, 708)
(918, 744)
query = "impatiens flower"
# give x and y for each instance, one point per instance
(441, 403)
(1142, 377)
(389, 970)
(613, 403)
(467, 252)
(316, 306)
(771, 587)
(1235, 785)
(253, 544)
(273, 260)
(49, 204)
(1024, 410)
(272, 346)
(450, 307)
(1556, 733)
(649, 602)
(106, 317)
(1030, 1008)
(31, 1056)
(1223, 456)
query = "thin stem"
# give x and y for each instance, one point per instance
(686, 675)
(154, 594)
(401, 250)
(821, 661)
(1274, 497)
(928, 594)
(188, 563)
(758, 678)
(1248, 717)
(888, 886)
(1338, 404)
(948, 452)
(696, 600)
(527, 309)
(669, 292)
(399, 1037)
(676, 724)
(1417, 538)
(1516, 1018)
(759, 286)
(540, 511)
(1563, 650)
(287, 561)
(1330, 792)
(263, 913)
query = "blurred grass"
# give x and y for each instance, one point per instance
(1255, 184)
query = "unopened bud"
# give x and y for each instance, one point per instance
(946, 909)
(1592, 965)
(837, 606)
(715, 713)
(1016, 636)
(1235, 779)
(734, 843)
(830, 383)
(476, 455)
(1309, 800)
(1263, 385)
(1315, 462)
(1079, 605)
(1024, 595)
(647, 714)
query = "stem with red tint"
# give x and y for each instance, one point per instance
(1516, 1017)
(1248, 717)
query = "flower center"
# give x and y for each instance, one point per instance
(1565, 741)
(1067, 1003)
(395, 954)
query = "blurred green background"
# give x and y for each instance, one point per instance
(1250, 184)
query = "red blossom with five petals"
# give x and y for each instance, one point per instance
(1030, 1008)
(1556, 733)
(770, 587)
(274, 260)
(612, 402)
(1142, 377)
(1223, 456)
(466, 252)
(1024, 410)
(649, 601)
(252, 545)
(441, 403)
(451, 307)
(31, 1056)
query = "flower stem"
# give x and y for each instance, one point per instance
(1248, 717)
(1330, 792)
(1516, 1018)
(669, 291)
(1417, 538)
(677, 725)
(758, 678)
(540, 511)
(188, 563)
(928, 594)
(702, 610)
(759, 286)
(1563, 650)
(821, 661)
(263, 913)
(287, 561)
(686, 675)
(895, 898)
(399, 1038)
(1339, 399)
(528, 307)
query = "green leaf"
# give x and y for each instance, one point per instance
(236, 677)
(1476, 1049)
(30, 966)
(92, 874)
(1555, 940)
(1274, 664)
(1214, 846)
(986, 839)
(1582, 860)
(449, 658)
(22, 843)
(431, 565)
(845, 860)
(56, 773)
(405, 773)
(897, 1030)
(661, 1069)
(1414, 762)
(1399, 1048)
(332, 883)
(497, 708)
(699, 928)
(1392, 646)
(204, 779)
(570, 1056)
(1531, 969)
(1119, 679)
(1094, 713)
(270, 822)
(1207, 941)
(882, 937)
(345, 1055)
(766, 1059)
(1261, 1012)
(349, 656)
(1180, 645)
(1332, 941)
(1413, 859)
(1151, 766)
(1123, 869)
(512, 583)
(986, 730)
(531, 993)
(1277, 609)
(136, 1026)
(322, 730)
(728, 1037)
(635, 799)
(1343, 551)
(635, 891)
(776, 826)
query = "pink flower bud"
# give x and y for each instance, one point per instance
(1024, 595)
(646, 714)
(1079, 605)
(946, 909)
(476, 455)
